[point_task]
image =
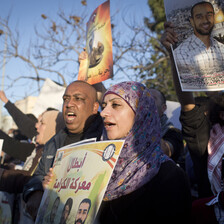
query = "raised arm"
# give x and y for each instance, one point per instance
(24, 123)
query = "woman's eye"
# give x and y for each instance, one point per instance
(114, 105)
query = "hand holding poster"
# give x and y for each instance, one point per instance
(99, 65)
(81, 175)
(199, 52)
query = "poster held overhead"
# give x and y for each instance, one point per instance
(99, 64)
(199, 52)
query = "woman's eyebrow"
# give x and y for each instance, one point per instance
(115, 98)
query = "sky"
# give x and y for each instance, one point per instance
(25, 14)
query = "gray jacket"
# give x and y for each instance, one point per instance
(35, 184)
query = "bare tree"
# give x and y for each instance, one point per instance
(137, 53)
(52, 53)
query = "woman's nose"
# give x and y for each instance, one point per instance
(104, 112)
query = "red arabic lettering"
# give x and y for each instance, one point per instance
(75, 163)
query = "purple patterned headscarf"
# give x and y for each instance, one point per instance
(141, 156)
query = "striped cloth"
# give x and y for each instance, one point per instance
(215, 154)
(193, 58)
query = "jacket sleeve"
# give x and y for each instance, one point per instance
(15, 148)
(47, 159)
(196, 130)
(24, 123)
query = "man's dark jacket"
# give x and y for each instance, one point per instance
(94, 130)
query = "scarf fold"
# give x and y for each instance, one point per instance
(215, 154)
(141, 156)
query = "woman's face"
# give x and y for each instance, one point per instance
(118, 117)
(40, 126)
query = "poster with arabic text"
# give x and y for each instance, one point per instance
(81, 174)
(99, 64)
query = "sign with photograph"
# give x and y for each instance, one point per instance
(81, 174)
(199, 53)
(99, 65)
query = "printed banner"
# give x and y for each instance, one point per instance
(199, 52)
(81, 175)
(99, 65)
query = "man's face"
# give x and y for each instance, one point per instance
(203, 19)
(82, 213)
(78, 105)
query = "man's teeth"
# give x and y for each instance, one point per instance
(71, 114)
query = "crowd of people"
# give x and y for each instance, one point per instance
(151, 181)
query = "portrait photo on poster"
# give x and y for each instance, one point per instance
(199, 52)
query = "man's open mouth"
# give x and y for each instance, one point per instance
(70, 116)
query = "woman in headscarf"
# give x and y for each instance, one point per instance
(145, 185)
(49, 123)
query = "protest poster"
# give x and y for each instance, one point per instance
(199, 52)
(99, 64)
(81, 173)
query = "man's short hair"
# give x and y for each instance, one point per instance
(201, 3)
(84, 82)
(86, 200)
